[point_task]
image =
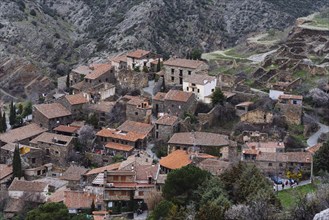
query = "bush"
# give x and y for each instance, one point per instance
(33, 12)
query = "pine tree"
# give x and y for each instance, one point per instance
(20, 109)
(12, 116)
(1, 123)
(68, 81)
(4, 122)
(159, 65)
(17, 164)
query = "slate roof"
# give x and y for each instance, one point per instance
(53, 110)
(199, 139)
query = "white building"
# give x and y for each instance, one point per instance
(141, 58)
(201, 85)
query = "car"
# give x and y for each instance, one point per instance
(276, 180)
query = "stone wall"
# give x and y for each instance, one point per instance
(257, 116)
(292, 113)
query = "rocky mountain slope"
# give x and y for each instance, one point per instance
(52, 36)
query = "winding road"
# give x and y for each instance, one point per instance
(313, 139)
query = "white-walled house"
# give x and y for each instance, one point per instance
(201, 85)
(141, 58)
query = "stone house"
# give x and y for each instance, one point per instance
(28, 190)
(280, 163)
(78, 74)
(201, 85)
(176, 70)
(106, 112)
(69, 130)
(22, 135)
(141, 58)
(73, 175)
(74, 103)
(242, 108)
(166, 126)
(51, 115)
(101, 73)
(252, 149)
(257, 116)
(56, 147)
(138, 109)
(113, 148)
(291, 106)
(202, 142)
(119, 62)
(175, 102)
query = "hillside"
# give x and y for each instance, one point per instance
(52, 36)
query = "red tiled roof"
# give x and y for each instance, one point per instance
(199, 139)
(76, 99)
(185, 63)
(176, 160)
(67, 129)
(286, 96)
(75, 199)
(136, 127)
(138, 54)
(27, 186)
(22, 133)
(119, 147)
(5, 170)
(117, 134)
(136, 100)
(114, 166)
(99, 70)
(53, 110)
(178, 96)
(159, 96)
(167, 120)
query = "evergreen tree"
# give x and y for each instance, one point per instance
(20, 109)
(1, 123)
(12, 116)
(320, 159)
(4, 122)
(68, 81)
(27, 109)
(159, 65)
(17, 164)
(217, 97)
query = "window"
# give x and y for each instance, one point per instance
(193, 84)
(186, 88)
(33, 160)
(172, 71)
(123, 193)
(136, 113)
(198, 90)
(111, 193)
(189, 72)
(157, 126)
(192, 89)
(172, 79)
(270, 164)
(213, 90)
(39, 172)
(280, 164)
(294, 102)
(180, 72)
(115, 178)
(302, 164)
(156, 134)
(141, 193)
(123, 178)
(56, 152)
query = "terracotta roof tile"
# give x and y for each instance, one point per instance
(5, 170)
(286, 96)
(199, 139)
(119, 147)
(185, 63)
(136, 100)
(99, 70)
(200, 79)
(176, 160)
(52, 138)
(76, 199)
(178, 96)
(67, 129)
(136, 127)
(76, 99)
(114, 166)
(117, 134)
(159, 96)
(138, 54)
(167, 120)
(27, 186)
(22, 133)
(53, 110)
(73, 173)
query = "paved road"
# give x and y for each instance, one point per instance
(313, 139)
(258, 58)
(150, 88)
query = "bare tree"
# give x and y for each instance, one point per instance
(86, 137)
(152, 198)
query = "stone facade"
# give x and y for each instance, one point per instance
(138, 110)
(257, 116)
